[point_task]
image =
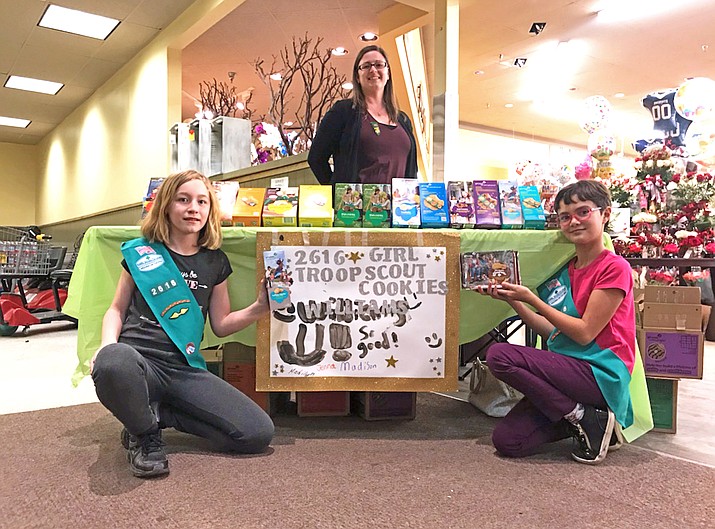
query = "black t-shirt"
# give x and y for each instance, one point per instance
(201, 271)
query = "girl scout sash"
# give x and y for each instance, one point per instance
(610, 372)
(161, 284)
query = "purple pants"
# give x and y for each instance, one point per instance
(552, 384)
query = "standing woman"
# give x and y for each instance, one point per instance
(369, 138)
(148, 370)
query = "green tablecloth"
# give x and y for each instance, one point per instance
(541, 253)
(98, 267)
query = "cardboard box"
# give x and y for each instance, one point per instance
(280, 207)
(669, 353)
(315, 206)
(534, 217)
(673, 316)
(323, 403)
(405, 203)
(239, 370)
(376, 205)
(434, 208)
(348, 205)
(384, 405)
(214, 360)
(663, 395)
(683, 295)
(461, 205)
(486, 203)
(249, 204)
(511, 217)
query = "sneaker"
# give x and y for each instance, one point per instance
(616, 438)
(128, 439)
(592, 435)
(145, 454)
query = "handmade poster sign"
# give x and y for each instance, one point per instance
(367, 312)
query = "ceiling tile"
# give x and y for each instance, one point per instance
(125, 42)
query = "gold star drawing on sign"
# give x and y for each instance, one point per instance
(437, 258)
(391, 362)
(355, 257)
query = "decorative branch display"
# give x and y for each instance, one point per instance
(315, 79)
(222, 99)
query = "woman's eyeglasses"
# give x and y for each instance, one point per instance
(379, 65)
(581, 214)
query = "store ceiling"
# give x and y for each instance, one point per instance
(657, 51)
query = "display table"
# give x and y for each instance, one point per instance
(97, 270)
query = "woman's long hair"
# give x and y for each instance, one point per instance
(156, 226)
(388, 96)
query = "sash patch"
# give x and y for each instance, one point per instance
(190, 348)
(179, 313)
(149, 262)
(174, 304)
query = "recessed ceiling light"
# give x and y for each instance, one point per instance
(287, 123)
(509, 105)
(619, 95)
(78, 22)
(339, 51)
(478, 72)
(33, 85)
(347, 86)
(277, 76)
(14, 122)
(537, 27)
(368, 36)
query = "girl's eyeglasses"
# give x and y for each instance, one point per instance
(581, 214)
(379, 65)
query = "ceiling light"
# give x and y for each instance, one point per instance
(33, 85)
(478, 72)
(537, 27)
(347, 86)
(277, 76)
(78, 22)
(14, 122)
(368, 36)
(339, 51)
(287, 123)
(509, 105)
(619, 95)
(520, 62)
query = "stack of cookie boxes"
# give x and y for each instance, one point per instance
(670, 339)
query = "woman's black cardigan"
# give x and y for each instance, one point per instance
(339, 135)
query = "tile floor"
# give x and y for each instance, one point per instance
(37, 369)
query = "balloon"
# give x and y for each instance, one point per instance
(700, 141)
(595, 114)
(695, 98)
(601, 145)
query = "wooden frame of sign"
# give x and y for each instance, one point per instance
(433, 372)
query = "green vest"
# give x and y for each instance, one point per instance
(163, 287)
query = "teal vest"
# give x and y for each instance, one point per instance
(610, 372)
(163, 287)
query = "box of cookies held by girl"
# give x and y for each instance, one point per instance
(434, 207)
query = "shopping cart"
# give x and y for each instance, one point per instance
(24, 256)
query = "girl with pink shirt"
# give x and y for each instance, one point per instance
(579, 387)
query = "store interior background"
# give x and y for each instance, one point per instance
(91, 148)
